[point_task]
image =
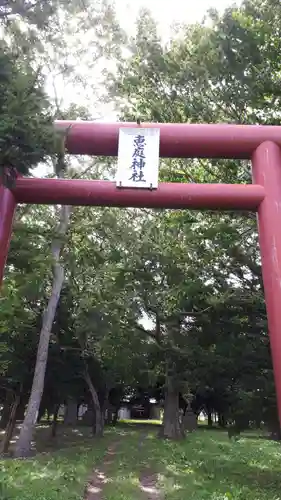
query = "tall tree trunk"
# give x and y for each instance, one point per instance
(71, 412)
(55, 421)
(210, 419)
(115, 415)
(7, 408)
(21, 409)
(221, 420)
(24, 443)
(11, 424)
(99, 421)
(171, 421)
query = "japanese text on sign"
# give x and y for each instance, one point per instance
(138, 158)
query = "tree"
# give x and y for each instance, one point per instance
(38, 32)
(23, 446)
(223, 72)
(100, 308)
(27, 136)
(171, 300)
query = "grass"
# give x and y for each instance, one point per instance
(206, 466)
(57, 474)
(139, 422)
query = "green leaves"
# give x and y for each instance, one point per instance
(26, 130)
(146, 287)
(202, 263)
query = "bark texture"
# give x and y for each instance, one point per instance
(98, 420)
(10, 425)
(24, 443)
(171, 420)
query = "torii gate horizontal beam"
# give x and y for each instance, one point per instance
(168, 195)
(177, 140)
(261, 144)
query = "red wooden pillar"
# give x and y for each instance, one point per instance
(266, 168)
(7, 210)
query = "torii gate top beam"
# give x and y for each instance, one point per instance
(181, 140)
(261, 144)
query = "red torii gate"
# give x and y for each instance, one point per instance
(261, 144)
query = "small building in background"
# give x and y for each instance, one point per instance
(124, 413)
(136, 409)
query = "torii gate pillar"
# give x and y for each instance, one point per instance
(266, 169)
(7, 210)
(261, 144)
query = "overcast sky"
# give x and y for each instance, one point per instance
(167, 12)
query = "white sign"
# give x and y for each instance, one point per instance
(138, 157)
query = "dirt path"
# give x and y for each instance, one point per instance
(147, 481)
(148, 485)
(148, 478)
(98, 478)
